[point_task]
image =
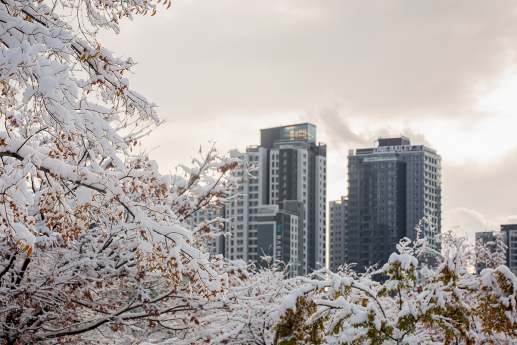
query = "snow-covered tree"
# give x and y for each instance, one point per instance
(254, 305)
(454, 306)
(491, 253)
(92, 238)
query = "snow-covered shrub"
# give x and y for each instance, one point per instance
(453, 306)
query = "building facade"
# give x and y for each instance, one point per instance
(508, 236)
(392, 186)
(218, 245)
(511, 253)
(291, 166)
(490, 237)
(242, 211)
(338, 221)
(278, 231)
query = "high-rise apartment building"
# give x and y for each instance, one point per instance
(216, 246)
(242, 212)
(291, 167)
(278, 233)
(490, 237)
(511, 253)
(392, 186)
(508, 235)
(338, 221)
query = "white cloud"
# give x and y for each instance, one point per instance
(465, 221)
(511, 220)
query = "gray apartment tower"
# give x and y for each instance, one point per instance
(291, 172)
(391, 187)
(490, 237)
(508, 235)
(217, 245)
(338, 222)
(511, 253)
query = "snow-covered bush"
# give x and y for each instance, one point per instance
(453, 306)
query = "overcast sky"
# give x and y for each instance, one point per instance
(443, 73)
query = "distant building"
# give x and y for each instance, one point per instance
(242, 212)
(508, 235)
(338, 219)
(511, 252)
(218, 245)
(291, 168)
(279, 232)
(487, 237)
(298, 171)
(392, 186)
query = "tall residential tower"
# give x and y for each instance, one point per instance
(291, 172)
(392, 186)
(338, 222)
(511, 255)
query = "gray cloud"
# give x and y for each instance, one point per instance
(487, 188)
(335, 126)
(375, 58)
(224, 69)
